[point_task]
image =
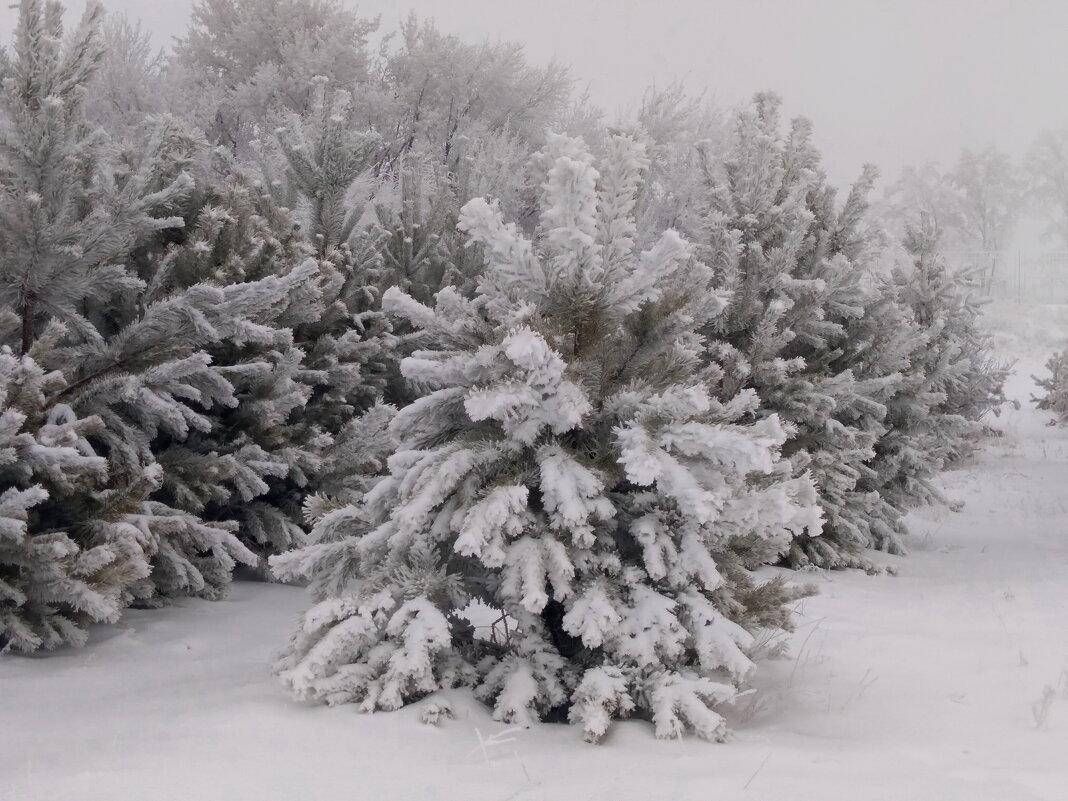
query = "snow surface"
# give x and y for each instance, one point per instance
(918, 687)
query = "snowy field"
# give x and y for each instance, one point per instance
(946, 682)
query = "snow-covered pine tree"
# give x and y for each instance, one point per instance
(1056, 387)
(947, 305)
(795, 266)
(949, 380)
(305, 353)
(244, 65)
(372, 232)
(131, 84)
(567, 466)
(679, 130)
(435, 95)
(247, 459)
(66, 559)
(350, 347)
(324, 156)
(69, 224)
(59, 228)
(416, 228)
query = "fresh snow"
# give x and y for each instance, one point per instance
(930, 685)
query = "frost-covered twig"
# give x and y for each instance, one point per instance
(485, 743)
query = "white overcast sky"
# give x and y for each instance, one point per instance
(889, 81)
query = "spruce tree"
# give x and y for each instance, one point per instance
(568, 465)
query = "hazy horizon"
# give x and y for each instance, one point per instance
(889, 83)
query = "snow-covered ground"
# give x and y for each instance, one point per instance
(925, 686)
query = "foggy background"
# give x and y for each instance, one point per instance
(893, 83)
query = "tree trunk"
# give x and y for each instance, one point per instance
(27, 324)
